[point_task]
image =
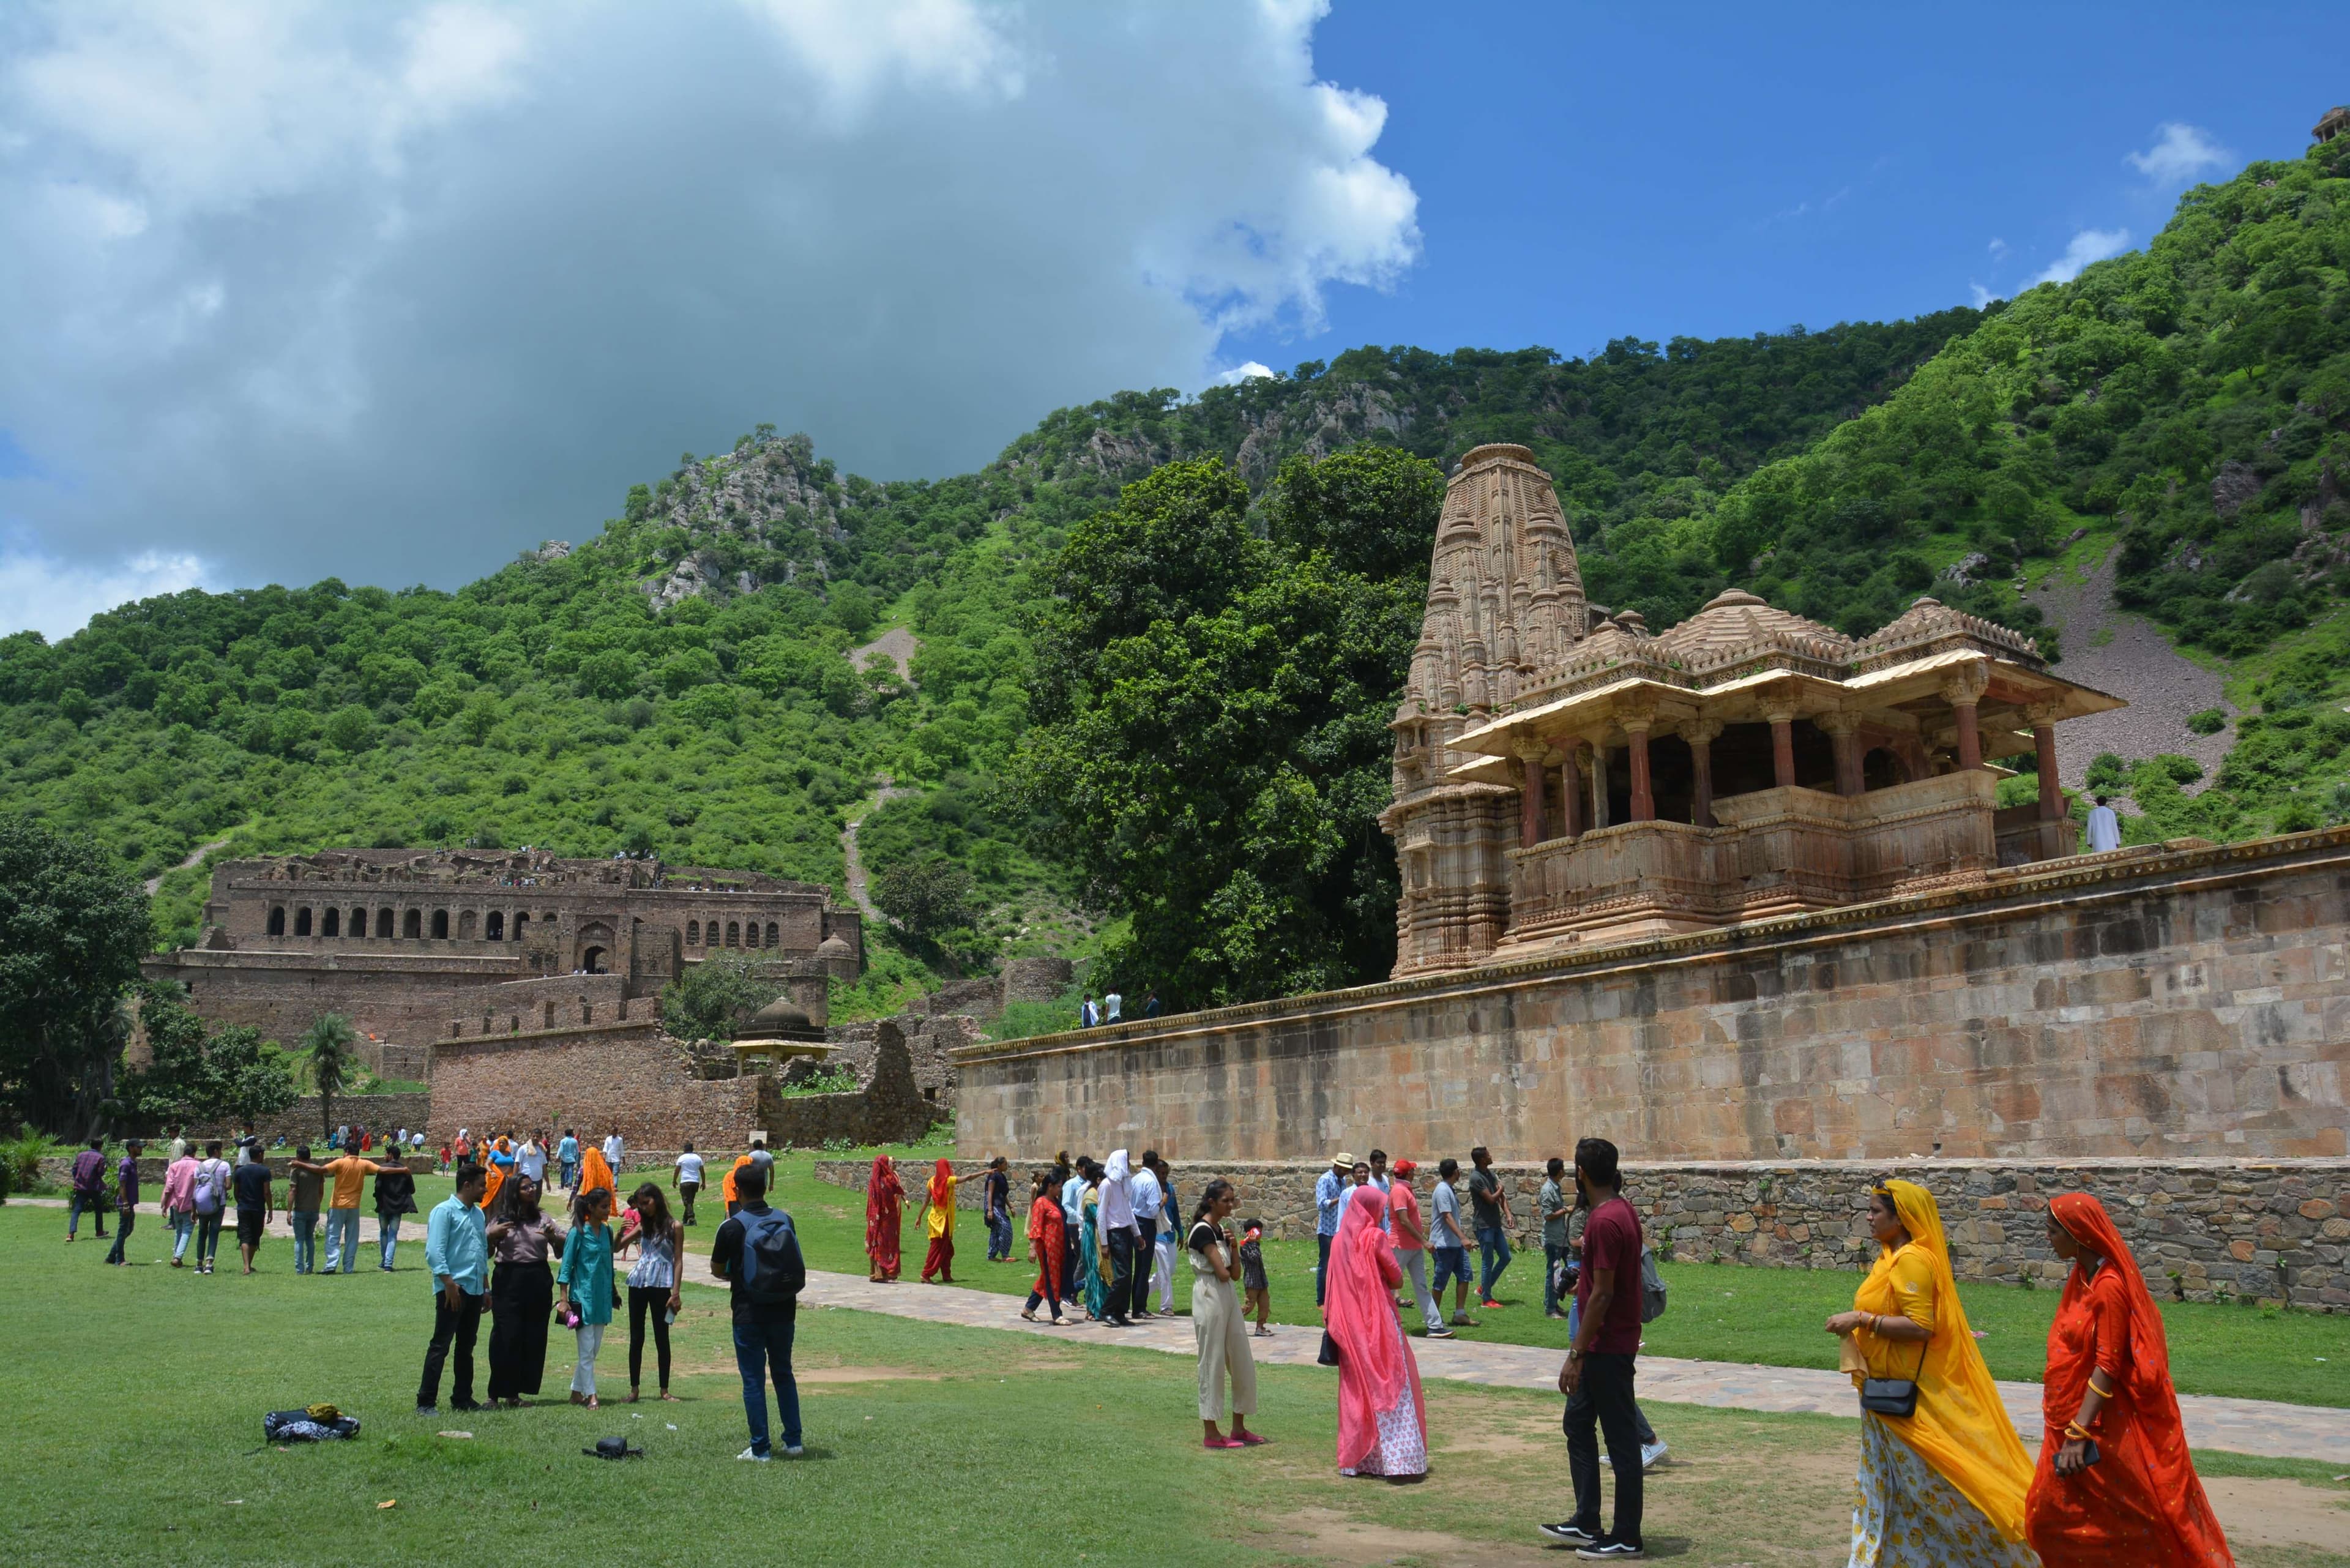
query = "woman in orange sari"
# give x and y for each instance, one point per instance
(594, 1171)
(885, 1208)
(938, 1220)
(2108, 1381)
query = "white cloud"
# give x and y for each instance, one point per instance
(2088, 246)
(295, 288)
(1249, 371)
(1982, 296)
(1998, 248)
(2179, 153)
(57, 599)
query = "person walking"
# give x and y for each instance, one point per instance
(1382, 1419)
(89, 1192)
(567, 1154)
(2105, 828)
(2115, 1482)
(521, 1240)
(126, 1199)
(659, 1241)
(1073, 1201)
(995, 1207)
(1217, 1326)
(1489, 1202)
(1117, 1238)
(255, 1186)
(1411, 1246)
(1162, 1272)
(1149, 1199)
(689, 1167)
(615, 1148)
(350, 1173)
(596, 1175)
(584, 1286)
(456, 1254)
(938, 1219)
(1597, 1374)
(1553, 1206)
(1113, 1007)
(1447, 1244)
(211, 1199)
(885, 1213)
(306, 1200)
(1329, 1200)
(531, 1158)
(757, 1254)
(179, 1198)
(395, 1197)
(1045, 1245)
(1945, 1484)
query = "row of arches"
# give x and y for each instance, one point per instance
(439, 925)
(736, 934)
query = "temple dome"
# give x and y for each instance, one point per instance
(834, 946)
(781, 1019)
(1734, 622)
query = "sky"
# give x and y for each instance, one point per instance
(293, 289)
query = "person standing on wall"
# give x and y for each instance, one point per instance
(567, 1154)
(1088, 1015)
(1113, 1007)
(757, 1254)
(1329, 1200)
(1149, 1200)
(996, 1201)
(457, 1253)
(1411, 1247)
(256, 1203)
(1597, 1374)
(126, 1197)
(1490, 1202)
(395, 1197)
(1117, 1238)
(2105, 828)
(689, 1182)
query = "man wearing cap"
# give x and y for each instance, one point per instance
(126, 1196)
(1329, 1197)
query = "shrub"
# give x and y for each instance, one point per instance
(2210, 722)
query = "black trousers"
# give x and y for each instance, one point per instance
(1322, 1270)
(522, 1299)
(460, 1323)
(1146, 1252)
(687, 1191)
(1122, 1274)
(644, 1299)
(1604, 1399)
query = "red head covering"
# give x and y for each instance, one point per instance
(1359, 1310)
(2186, 1512)
(884, 1203)
(943, 1184)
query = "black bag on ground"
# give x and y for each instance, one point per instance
(613, 1449)
(301, 1426)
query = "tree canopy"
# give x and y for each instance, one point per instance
(73, 926)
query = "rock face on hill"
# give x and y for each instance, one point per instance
(760, 513)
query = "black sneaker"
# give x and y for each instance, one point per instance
(1608, 1549)
(1568, 1532)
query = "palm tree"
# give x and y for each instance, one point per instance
(329, 1042)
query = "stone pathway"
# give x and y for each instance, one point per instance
(195, 857)
(853, 865)
(2258, 1427)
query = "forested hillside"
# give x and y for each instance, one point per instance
(681, 683)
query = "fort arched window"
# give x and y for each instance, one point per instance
(359, 922)
(383, 922)
(592, 961)
(277, 919)
(522, 921)
(334, 926)
(493, 929)
(772, 933)
(439, 925)
(302, 922)
(693, 933)
(411, 924)
(465, 925)
(734, 934)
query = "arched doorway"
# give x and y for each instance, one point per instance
(592, 961)
(277, 919)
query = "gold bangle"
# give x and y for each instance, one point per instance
(2073, 1430)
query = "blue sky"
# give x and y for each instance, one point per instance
(295, 288)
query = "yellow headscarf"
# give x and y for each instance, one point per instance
(1960, 1428)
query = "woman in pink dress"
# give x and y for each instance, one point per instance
(1382, 1424)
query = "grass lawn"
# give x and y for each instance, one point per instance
(139, 1394)
(1719, 1312)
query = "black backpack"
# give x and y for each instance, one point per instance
(772, 1270)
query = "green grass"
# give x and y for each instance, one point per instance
(928, 1445)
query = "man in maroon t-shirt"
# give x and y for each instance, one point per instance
(1598, 1375)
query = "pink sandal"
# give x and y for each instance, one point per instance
(1252, 1439)
(1221, 1443)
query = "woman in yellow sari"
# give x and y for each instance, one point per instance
(1944, 1487)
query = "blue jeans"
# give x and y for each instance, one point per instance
(183, 1225)
(387, 1230)
(1452, 1264)
(78, 1201)
(1493, 1254)
(208, 1229)
(342, 1239)
(1321, 1269)
(762, 1344)
(306, 1240)
(122, 1234)
(999, 1235)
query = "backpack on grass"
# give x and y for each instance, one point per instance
(772, 1268)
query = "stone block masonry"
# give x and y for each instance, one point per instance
(592, 1078)
(2189, 1002)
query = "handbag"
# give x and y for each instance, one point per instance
(1893, 1396)
(1328, 1355)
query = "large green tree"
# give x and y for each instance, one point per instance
(73, 928)
(198, 1074)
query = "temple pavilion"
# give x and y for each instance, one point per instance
(1563, 773)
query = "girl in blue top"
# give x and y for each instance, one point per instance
(585, 1282)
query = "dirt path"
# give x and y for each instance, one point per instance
(2136, 663)
(852, 864)
(195, 857)
(898, 643)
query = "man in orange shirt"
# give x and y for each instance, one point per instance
(757, 1155)
(350, 1173)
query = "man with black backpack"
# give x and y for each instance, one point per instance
(757, 1254)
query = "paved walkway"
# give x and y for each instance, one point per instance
(2258, 1427)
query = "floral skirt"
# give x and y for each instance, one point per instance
(1905, 1515)
(1403, 1445)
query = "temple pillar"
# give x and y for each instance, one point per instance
(1598, 786)
(1570, 792)
(1644, 800)
(1783, 749)
(1701, 737)
(1963, 690)
(1530, 792)
(1844, 733)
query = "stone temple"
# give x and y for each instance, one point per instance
(1563, 774)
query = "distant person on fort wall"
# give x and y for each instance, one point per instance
(689, 1168)
(1945, 1484)
(2114, 1483)
(885, 1213)
(1113, 1007)
(522, 1241)
(395, 1197)
(2105, 828)
(1382, 1422)
(937, 1219)
(1045, 1245)
(567, 1154)
(1088, 1014)
(1150, 1003)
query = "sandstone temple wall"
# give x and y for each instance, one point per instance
(594, 1077)
(2192, 1003)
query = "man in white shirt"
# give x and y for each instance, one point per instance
(2105, 828)
(1116, 1219)
(688, 1180)
(1112, 1003)
(531, 1158)
(613, 1148)
(1148, 1197)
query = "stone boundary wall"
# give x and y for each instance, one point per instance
(2201, 1229)
(592, 1078)
(302, 1123)
(2192, 1001)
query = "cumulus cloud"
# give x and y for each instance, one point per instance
(58, 598)
(2088, 246)
(1248, 372)
(2179, 153)
(292, 287)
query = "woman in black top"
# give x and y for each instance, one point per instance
(1216, 1320)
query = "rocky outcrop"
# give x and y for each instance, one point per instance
(1347, 415)
(771, 492)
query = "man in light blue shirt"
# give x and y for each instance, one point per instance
(1329, 1197)
(457, 1254)
(567, 1154)
(1073, 1219)
(1149, 1199)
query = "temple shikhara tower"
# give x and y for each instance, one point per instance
(1563, 773)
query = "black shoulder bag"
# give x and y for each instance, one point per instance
(1893, 1396)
